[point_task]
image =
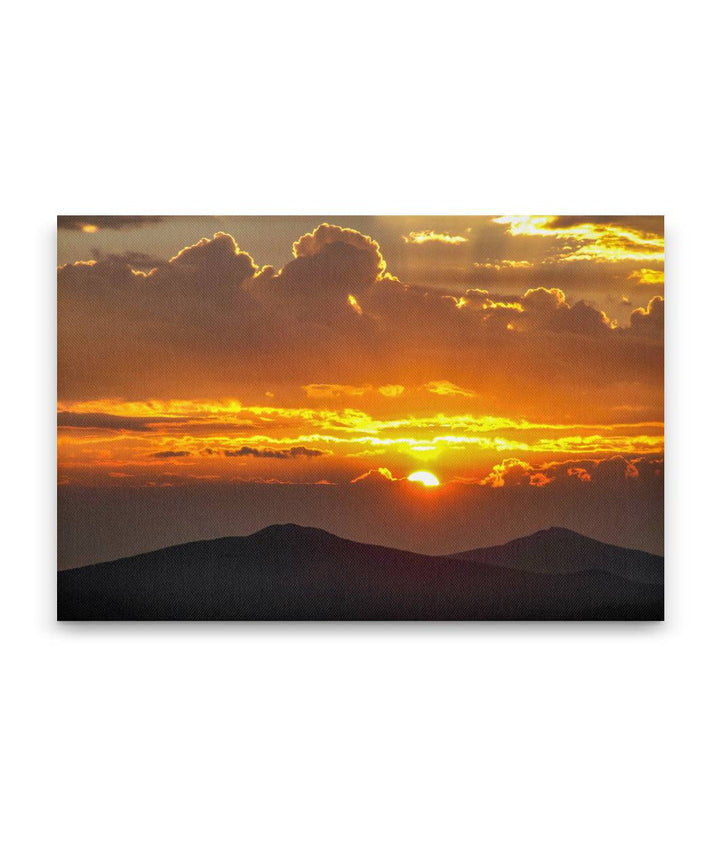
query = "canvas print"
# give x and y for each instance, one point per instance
(416, 418)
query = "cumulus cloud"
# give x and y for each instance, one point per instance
(580, 473)
(545, 300)
(510, 468)
(651, 320)
(219, 256)
(617, 469)
(329, 265)
(209, 318)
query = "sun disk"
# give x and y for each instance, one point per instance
(424, 477)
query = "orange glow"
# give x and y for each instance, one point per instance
(151, 440)
(424, 477)
(90, 228)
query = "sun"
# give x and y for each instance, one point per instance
(424, 477)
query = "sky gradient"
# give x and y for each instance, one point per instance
(277, 368)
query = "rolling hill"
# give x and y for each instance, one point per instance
(289, 572)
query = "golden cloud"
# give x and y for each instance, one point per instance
(325, 235)
(429, 237)
(648, 276)
(379, 474)
(445, 387)
(334, 390)
(391, 390)
(503, 264)
(589, 241)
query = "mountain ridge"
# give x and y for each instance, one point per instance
(558, 550)
(286, 571)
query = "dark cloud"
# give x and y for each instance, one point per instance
(67, 419)
(650, 321)
(279, 454)
(170, 454)
(329, 264)
(78, 222)
(208, 319)
(616, 470)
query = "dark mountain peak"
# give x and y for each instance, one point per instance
(293, 532)
(557, 550)
(288, 527)
(558, 533)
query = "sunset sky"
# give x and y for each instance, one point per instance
(519, 359)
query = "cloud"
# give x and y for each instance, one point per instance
(333, 390)
(213, 262)
(391, 390)
(580, 473)
(548, 309)
(479, 299)
(92, 223)
(617, 469)
(324, 236)
(329, 265)
(504, 264)
(278, 454)
(170, 454)
(136, 260)
(510, 467)
(540, 480)
(210, 320)
(445, 387)
(111, 422)
(381, 475)
(651, 320)
(648, 276)
(545, 299)
(589, 239)
(428, 236)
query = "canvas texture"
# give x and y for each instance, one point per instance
(416, 418)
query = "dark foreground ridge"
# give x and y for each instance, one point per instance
(289, 572)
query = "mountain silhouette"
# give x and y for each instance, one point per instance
(293, 572)
(562, 551)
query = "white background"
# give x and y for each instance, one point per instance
(515, 739)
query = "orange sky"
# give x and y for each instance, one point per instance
(534, 341)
